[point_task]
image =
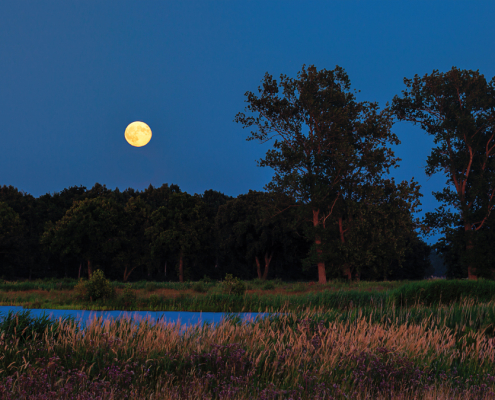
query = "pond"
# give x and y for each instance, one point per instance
(185, 318)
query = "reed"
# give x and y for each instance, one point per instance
(308, 353)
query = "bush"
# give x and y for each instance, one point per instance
(298, 287)
(206, 279)
(151, 287)
(95, 289)
(81, 290)
(268, 286)
(233, 285)
(198, 287)
(98, 287)
(129, 296)
(257, 282)
(154, 300)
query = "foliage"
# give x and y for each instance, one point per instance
(96, 288)
(445, 292)
(81, 290)
(89, 228)
(338, 157)
(134, 251)
(206, 279)
(179, 229)
(458, 109)
(233, 285)
(252, 228)
(154, 300)
(199, 287)
(268, 286)
(381, 233)
(151, 286)
(424, 353)
(129, 296)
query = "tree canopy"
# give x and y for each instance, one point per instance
(327, 143)
(457, 108)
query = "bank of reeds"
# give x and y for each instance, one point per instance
(300, 354)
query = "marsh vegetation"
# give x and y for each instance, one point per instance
(386, 340)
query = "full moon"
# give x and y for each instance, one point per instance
(138, 134)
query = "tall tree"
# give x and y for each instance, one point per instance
(327, 139)
(90, 229)
(134, 249)
(211, 254)
(24, 205)
(245, 227)
(158, 197)
(458, 108)
(180, 227)
(452, 247)
(417, 262)
(373, 228)
(12, 239)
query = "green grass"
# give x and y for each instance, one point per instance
(211, 297)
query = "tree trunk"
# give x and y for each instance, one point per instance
(322, 276)
(267, 263)
(347, 267)
(181, 268)
(258, 267)
(469, 247)
(165, 269)
(90, 269)
(127, 272)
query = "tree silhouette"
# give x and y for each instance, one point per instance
(328, 142)
(458, 108)
(179, 228)
(90, 228)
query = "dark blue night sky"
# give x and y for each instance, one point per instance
(74, 74)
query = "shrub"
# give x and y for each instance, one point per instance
(154, 300)
(257, 282)
(151, 286)
(129, 296)
(268, 286)
(81, 291)
(298, 287)
(98, 287)
(233, 285)
(206, 279)
(198, 287)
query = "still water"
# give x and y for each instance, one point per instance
(185, 318)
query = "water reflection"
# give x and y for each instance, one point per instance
(182, 318)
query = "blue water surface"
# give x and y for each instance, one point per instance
(186, 318)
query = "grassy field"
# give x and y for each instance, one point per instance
(367, 340)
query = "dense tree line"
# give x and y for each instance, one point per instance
(327, 213)
(158, 233)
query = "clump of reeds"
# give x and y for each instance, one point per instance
(290, 355)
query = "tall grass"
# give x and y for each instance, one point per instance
(300, 354)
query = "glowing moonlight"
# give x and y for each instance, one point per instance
(138, 134)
